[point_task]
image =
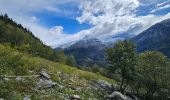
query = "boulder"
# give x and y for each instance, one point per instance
(44, 83)
(75, 97)
(27, 98)
(44, 74)
(118, 96)
(103, 85)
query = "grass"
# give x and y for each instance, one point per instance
(13, 62)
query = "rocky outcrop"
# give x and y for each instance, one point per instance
(103, 86)
(45, 80)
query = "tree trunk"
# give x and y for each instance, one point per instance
(121, 85)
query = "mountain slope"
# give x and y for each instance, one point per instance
(91, 51)
(22, 70)
(156, 38)
(88, 52)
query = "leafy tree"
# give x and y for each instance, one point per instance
(154, 74)
(71, 60)
(122, 58)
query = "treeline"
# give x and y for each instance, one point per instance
(22, 39)
(145, 75)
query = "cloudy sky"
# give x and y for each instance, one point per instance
(57, 22)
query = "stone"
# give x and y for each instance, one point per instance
(6, 79)
(75, 97)
(19, 78)
(27, 98)
(103, 85)
(44, 74)
(118, 96)
(44, 83)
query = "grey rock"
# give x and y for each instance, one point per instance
(44, 74)
(75, 97)
(44, 83)
(19, 78)
(6, 79)
(103, 85)
(27, 98)
(119, 96)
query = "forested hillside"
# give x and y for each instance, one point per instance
(22, 39)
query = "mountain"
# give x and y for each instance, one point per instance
(88, 52)
(156, 38)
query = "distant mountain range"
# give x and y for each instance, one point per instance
(91, 51)
(88, 52)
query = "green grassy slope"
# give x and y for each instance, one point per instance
(13, 63)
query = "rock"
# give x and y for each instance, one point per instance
(103, 85)
(44, 74)
(6, 79)
(2, 99)
(44, 83)
(19, 78)
(27, 98)
(75, 97)
(118, 96)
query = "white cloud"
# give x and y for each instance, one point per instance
(163, 3)
(102, 11)
(21, 11)
(161, 6)
(107, 17)
(111, 17)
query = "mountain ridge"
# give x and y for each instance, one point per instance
(156, 38)
(144, 41)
